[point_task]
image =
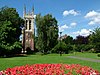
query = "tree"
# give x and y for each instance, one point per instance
(81, 40)
(10, 30)
(61, 47)
(95, 39)
(47, 32)
(68, 40)
(81, 43)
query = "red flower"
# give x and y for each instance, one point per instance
(50, 69)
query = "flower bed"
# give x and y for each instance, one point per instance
(50, 69)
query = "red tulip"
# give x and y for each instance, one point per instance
(50, 69)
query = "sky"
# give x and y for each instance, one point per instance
(75, 17)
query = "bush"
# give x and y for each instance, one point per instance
(92, 50)
(88, 47)
(69, 48)
(83, 47)
(10, 50)
(98, 54)
(60, 47)
(74, 48)
(80, 48)
(39, 53)
(29, 51)
(97, 47)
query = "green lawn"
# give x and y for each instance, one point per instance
(86, 55)
(50, 58)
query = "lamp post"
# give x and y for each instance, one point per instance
(60, 44)
(60, 35)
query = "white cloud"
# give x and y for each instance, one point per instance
(94, 17)
(91, 23)
(91, 14)
(62, 28)
(70, 12)
(73, 24)
(65, 13)
(83, 32)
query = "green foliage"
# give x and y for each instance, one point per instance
(47, 32)
(9, 30)
(81, 40)
(87, 47)
(68, 40)
(95, 39)
(60, 47)
(69, 48)
(74, 48)
(80, 48)
(98, 54)
(39, 53)
(83, 48)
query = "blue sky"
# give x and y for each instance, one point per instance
(75, 17)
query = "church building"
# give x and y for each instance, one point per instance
(28, 30)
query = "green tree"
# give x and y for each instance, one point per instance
(10, 30)
(60, 47)
(81, 40)
(47, 32)
(69, 44)
(80, 43)
(95, 39)
(68, 40)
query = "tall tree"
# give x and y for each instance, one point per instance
(9, 29)
(95, 39)
(47, 32)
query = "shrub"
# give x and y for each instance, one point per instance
(83, 47)
(88, 47)
(39, 53)
(29, 51)
(98, 54)
(74, 48)
(69, 48)
(60, 47)
(92, 50)
(79, 48)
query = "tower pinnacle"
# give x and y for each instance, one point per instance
(33, 10)
(24, 11)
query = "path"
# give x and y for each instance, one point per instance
(87, 59)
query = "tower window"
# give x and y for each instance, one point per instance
(29, 24)
(26, 24)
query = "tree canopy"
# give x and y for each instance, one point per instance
(81, 40)
(68, 40)
(95, 39)
(10, 31)
(47, 32)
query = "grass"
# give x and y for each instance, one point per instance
(50, 58)
(86, 55)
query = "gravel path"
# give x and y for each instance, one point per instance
(87, 59)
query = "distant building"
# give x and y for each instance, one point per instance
(28, 30)
(62, 37)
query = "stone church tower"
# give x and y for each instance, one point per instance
(28, 30)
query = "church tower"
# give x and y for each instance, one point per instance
(28, 30)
